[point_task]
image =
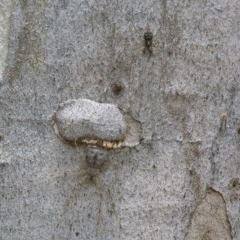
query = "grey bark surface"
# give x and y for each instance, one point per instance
(182, 181)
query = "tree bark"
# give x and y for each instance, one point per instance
(172, 69)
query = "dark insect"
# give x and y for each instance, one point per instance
(148, 37)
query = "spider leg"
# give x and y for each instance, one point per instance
(54, 176)
(99, 208)
(112, 204)
(71, 199)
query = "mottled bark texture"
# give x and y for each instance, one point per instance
(170, 67)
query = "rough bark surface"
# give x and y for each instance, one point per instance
(182, 181)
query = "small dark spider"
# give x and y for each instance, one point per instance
(148, 37)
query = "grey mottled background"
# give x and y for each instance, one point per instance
(186, 97)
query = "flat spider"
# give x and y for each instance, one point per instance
(95, 160)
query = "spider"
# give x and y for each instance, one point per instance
(148, 43)
(96, 159)
(148, 37)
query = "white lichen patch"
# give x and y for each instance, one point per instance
(93, 123)
(5, 14)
